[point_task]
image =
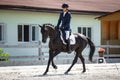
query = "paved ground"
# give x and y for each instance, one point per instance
(94, 72)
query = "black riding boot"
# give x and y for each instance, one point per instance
(68, 46)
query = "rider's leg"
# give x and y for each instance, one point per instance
(68, 41)
(67, 34)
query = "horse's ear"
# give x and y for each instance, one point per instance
(40, 26)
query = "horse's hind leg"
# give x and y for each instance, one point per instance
(74, 61)
(83, 62)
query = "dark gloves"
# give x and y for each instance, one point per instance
(56, 27)
(61, 28)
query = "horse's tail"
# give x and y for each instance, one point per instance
(92, 49)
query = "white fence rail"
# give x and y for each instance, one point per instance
(41, 57)
(45, 46)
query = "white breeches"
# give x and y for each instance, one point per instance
(67, 34)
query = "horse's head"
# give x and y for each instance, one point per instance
(44, 32)
(47, 30)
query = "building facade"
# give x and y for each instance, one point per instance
(19, 21)
(21, 28)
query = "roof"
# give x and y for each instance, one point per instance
(75, 5)
(109, 14)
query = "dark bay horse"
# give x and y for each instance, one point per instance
(48, 30)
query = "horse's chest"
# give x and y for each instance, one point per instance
(58, 47)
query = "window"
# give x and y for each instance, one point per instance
(86, 31)
(27, 33)
(1, 32)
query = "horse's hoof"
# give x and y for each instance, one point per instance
(44, 74)
(55, 67)
(66, 73)
(83, 71)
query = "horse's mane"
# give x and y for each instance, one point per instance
(50, 25)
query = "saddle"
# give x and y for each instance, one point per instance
(62, 37)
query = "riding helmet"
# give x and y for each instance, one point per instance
(65, 5)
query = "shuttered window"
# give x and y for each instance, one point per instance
(85, 31)
(27, 33)
(2, 36)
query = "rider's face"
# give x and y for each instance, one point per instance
(65, 9)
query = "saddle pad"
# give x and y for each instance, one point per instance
(72, 39)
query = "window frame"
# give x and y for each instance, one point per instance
(30, 33)
(86, 29)
(3, 32)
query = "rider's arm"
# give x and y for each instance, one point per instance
(59, 20)
(68, 18)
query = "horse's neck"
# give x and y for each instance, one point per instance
(52, 33)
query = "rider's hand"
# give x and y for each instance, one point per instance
(61, 28)
(56, 28)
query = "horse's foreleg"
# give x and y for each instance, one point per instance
(74, 61)
(47, 67)
(50, 58)
(55, 54)
(53, 64)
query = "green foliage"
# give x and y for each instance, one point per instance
(4, 56)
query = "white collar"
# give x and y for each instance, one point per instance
(64, 13)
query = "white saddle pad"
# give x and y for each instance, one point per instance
(72, 39)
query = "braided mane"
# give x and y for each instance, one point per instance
(48, 24)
